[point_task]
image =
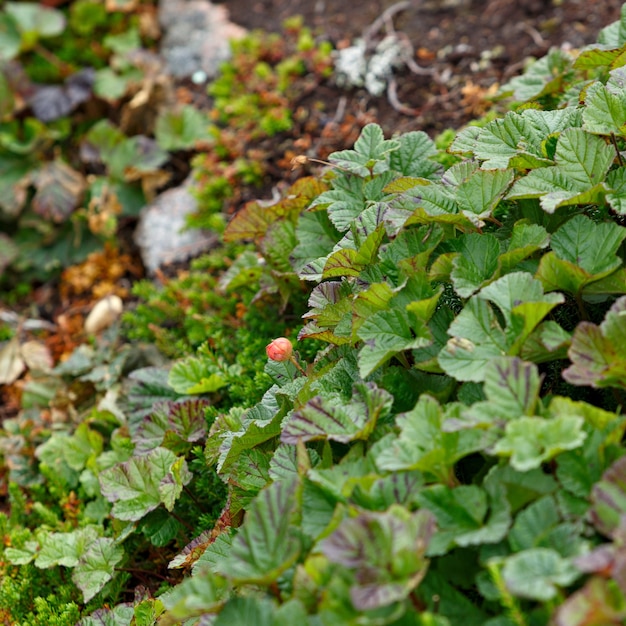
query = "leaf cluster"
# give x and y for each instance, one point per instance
(444, 452)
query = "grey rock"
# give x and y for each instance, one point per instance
(161, 235)
(196, 36)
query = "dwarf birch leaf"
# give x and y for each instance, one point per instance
(387, 333)
(331, 417)
(530, 441)
(537, 572)
(97, 566)
(267, 542)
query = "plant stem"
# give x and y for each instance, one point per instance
(508, 601)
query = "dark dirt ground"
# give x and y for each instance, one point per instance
(452, 37)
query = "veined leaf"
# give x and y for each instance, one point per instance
(97, 566)
(267, 542)
(173, 424)
(423, 445)
(370, 153)
(387, 333)
(608, 499)
(141, 484)
(65, 548)
(605, 107)
(412, 158)
(582, 161)
(476, 262)
(385, 551)
(194, 375)
(479, 195)
(530, 441)
(512, 390)
(596, 351)
(536, 573)
(543, 77)
(466, 515)
(477, 334)
(330, 417)
(583, 252)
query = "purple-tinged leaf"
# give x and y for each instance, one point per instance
(596, 352)
(59, 191)
(52, 102)
(97, 566)
(141, 484)
(267, 543)
(385, 550)
(173, 424)
(597, 603)
(608, 499)
(330, 417)
(192, 551)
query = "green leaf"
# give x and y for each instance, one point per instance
(466, 515)
(477, 333)
(412, 158)
(545, 76)
(614, 34)
(530, 441)
(195, 375)
(512, 390)
(386, 334)
(476, 262)
(65, 548)
(331, 417)
(592, 246)
(10, 38)
(370, 153)
(479, 195)
(385, 550)
(536, 573)
(181, 130)
(194, 596)
(35, 20)
(605, 106)
(267, 543)
(139, 485)
(97, 566)
(582, 161)
(423, 445)
(596, 354)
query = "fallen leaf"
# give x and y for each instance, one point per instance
(11, 363)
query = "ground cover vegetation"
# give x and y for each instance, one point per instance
(442, 445)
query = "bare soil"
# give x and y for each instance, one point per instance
(471, 46)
